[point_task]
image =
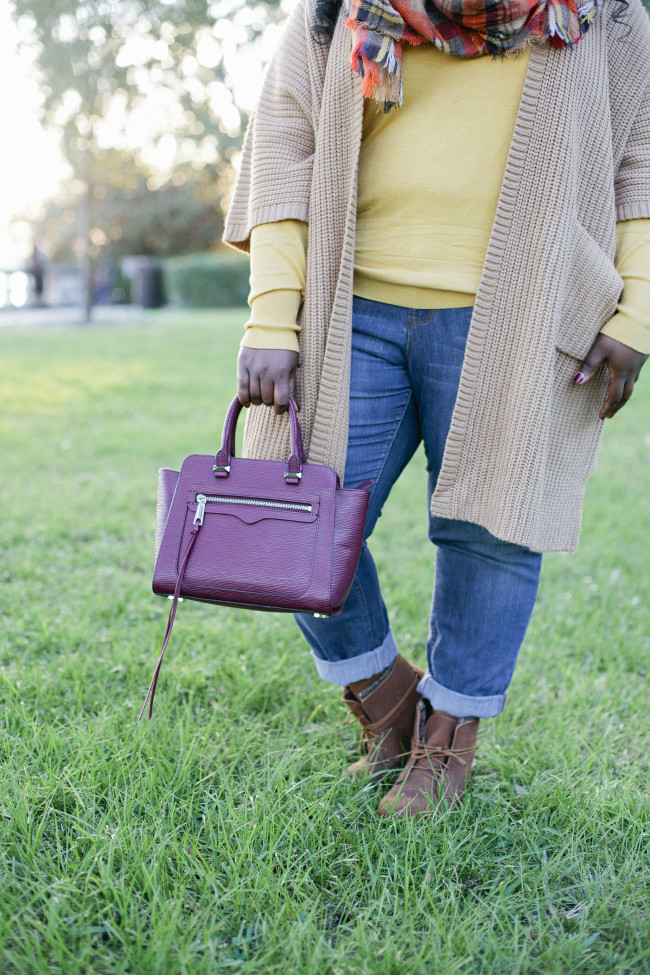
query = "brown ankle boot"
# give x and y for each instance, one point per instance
(386, 718)
(439, 767)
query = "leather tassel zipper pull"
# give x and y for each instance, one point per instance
(201, 500)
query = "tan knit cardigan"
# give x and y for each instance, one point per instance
(523, 437)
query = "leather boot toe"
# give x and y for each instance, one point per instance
(439, 768)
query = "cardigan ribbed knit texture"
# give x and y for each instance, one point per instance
(523, 438)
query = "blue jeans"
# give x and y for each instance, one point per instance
(406, 366)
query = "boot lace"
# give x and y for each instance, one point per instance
(424, 755)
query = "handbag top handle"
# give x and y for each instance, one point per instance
(227, 451)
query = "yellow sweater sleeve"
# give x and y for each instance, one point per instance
(631, 323)
(278, 270)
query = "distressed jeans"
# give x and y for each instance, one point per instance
(405, 369)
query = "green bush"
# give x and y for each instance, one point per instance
(207, 280)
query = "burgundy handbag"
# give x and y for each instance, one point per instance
(258, 534)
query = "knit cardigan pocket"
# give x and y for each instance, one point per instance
(586, 308)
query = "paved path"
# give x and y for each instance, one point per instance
(73, 317)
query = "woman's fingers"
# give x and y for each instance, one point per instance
(281, 394)
(243, 385)
(623, 364)
(626, 392)
(266, 376)
(614, 399)
(284, 388)
(593, 361)
(254, 389)
(267, 390)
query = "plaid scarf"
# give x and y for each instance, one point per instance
(463, 28)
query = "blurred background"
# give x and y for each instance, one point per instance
(121, 126)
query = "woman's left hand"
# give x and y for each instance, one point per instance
(624, 365)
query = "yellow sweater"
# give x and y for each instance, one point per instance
(429, 180)
(430, 174)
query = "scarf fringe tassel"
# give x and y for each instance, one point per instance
(376, 56)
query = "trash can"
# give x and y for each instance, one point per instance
(147, 280)
(149, 290)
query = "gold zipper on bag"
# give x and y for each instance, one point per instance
(202, 500)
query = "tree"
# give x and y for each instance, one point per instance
(132, 214)
(104, 63)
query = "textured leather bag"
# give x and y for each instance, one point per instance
(259, 534)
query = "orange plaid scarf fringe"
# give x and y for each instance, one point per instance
(462, 28)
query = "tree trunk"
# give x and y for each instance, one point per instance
(85, 265)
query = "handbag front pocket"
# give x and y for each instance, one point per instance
(261, 546)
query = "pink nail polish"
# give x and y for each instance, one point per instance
(579, 378)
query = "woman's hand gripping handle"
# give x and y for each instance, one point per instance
(266, 376)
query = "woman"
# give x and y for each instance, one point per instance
(470, 234)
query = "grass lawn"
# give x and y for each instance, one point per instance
(222, 836)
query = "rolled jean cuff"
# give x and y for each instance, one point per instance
(460, 705)
(367, 664)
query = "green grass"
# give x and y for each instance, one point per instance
(223, 836)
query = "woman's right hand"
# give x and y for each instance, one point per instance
(266, 376)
